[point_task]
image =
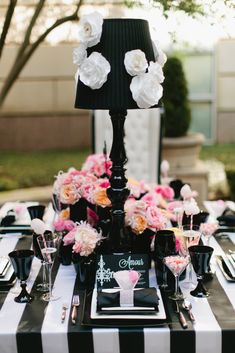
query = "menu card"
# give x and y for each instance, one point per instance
(108, 264)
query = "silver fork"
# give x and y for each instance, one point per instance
(75, 305)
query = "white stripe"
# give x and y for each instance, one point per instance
(11, 313)
(157, 340)
(106, 340)
(228, 287)
(7, 245)
(54, 333)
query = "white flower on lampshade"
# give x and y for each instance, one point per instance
(146, 90)
(156, 70)
(94, 70)
(135, 62)
(159, 55)
(79, 54)
(186, 191)
(90, 29)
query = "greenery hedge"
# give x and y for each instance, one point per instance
(177, 116)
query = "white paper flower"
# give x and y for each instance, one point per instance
(90, 29)
(146, 90)
(159, 55)
(135, 62)
(165, 167)
(191, 208)
(79, 54)
(156, 70)
(186, 192)
(94, 70)
(38, 226)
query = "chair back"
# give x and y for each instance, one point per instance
(142, 141)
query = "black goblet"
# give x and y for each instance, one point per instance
(36, 211)
(164, 245)
(21, 261)
(200, 257)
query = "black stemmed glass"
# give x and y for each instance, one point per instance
(21, 261)
(37, 211)
(200, 257)
(164, 245)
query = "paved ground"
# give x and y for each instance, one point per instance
(42, 194)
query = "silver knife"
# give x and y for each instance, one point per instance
(180, 315)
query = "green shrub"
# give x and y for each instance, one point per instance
(177, 115)
(231, 182)
(7, 183)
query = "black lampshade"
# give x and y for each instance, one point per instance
(118, 37)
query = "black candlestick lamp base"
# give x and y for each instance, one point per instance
(117, 192)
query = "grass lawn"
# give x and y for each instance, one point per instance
(224, 153)
(21, 169)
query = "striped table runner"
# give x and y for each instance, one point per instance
(37, 326)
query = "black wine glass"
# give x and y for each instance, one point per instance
(164, 245)
(22, 261)
(200, 257)
(36, 211)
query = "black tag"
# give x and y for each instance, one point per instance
(108, 264)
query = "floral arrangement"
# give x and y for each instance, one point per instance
(83, 237)
(93, 71)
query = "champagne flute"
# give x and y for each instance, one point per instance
(176, 265)
(48, 246)
(191, 236)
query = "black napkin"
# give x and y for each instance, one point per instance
(8, 219)
(227, 220)
(146, 297)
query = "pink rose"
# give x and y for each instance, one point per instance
(69, 225)
(166, 191)
(70, 237)
(59, 225)
(155, 218)
(150, 198)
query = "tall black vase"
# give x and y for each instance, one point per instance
(85, 267)
(78, 211)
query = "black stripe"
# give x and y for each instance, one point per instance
(221, 305)
(177, 333)
(79, 333)
(131, 340)
(32, 318)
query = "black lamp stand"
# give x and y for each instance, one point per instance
(117, 192)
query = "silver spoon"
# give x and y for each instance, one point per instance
(188, 307)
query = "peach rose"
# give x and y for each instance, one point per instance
(138, 224)
(101, 198)
(69, 194)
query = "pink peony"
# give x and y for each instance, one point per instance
(59, 225)
(70, 237)
(155, 218)
(166, 191)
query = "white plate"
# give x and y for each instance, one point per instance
(160, 315)
(8, 275)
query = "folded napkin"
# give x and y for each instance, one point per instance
(8, 219)
(146, 297)
(227, 220)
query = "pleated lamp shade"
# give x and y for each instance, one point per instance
(118, 37)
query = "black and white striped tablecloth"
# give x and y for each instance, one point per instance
(36, 327)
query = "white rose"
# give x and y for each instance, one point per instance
(159, 55)
(90, 29)
(79, 54)
(146, 90)
(94, 70)
(135, 62)
(156, 70)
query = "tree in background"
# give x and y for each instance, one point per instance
(177, 113)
